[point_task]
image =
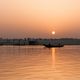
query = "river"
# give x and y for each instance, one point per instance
(39, 63)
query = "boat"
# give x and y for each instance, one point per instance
(54, 45)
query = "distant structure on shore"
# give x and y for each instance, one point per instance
(32, 41)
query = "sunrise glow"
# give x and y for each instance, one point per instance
(36, 18)
(53, 32)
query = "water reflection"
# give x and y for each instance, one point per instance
(53, 56)
(39, 63)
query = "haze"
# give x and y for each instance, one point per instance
(38, 18)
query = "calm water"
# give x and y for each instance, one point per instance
(39, 63)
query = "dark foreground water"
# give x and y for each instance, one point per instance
(39, 63)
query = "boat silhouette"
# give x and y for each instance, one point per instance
(53, 45)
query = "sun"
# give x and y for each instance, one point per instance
(53, 32)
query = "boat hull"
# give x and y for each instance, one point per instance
(51, 46)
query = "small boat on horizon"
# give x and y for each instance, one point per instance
(54, 45)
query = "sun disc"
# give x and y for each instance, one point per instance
(53, 32)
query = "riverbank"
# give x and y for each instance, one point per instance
(32, 41)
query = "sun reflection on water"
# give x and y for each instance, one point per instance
(53, 56)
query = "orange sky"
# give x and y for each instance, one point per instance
(37, 18)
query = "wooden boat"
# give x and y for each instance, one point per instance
(55, 45)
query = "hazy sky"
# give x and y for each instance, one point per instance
(38, 18)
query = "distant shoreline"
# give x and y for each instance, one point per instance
(39, 41)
